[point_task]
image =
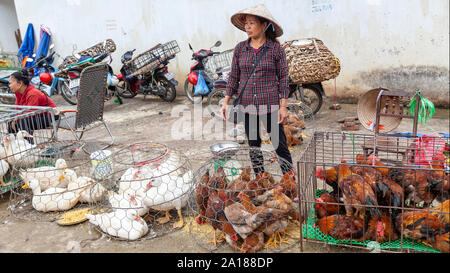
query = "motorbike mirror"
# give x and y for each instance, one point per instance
(51, 46)
(191, 47)
(218, 43)
(34, 55)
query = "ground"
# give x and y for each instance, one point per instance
(139, 120)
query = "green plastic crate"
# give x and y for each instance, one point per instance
(313, 232)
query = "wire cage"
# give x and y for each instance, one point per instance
(23, 130)
(218, 63)
(251, 213)
(108, 46)
(151, 59)
(152, 185)
(60, 179)
(388, 193)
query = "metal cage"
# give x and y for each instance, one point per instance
(403, 189)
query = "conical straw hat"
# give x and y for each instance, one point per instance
(259, 10)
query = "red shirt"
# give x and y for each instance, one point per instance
(33, 97)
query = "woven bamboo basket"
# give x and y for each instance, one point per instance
(310, 61)
(367, 107)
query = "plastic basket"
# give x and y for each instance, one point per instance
(219, 62)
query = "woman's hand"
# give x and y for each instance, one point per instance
(224, 109)
(282, 115)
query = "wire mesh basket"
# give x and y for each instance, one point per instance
(218, 63)
(23, 131)
(153, 183)
(60, 179)
(253, 213)
(108, 46)
(362, 191)
(151, 59)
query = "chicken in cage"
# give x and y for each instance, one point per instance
(352, 197)
(252, 211)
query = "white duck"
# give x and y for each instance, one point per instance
(92, 191)
(19, 151)
(122, 223)
(48, 176)
(135, 179)
(52, 199)
(4, 168)
(128, 200)
(168, 192)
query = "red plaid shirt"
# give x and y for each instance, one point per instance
(270, 81)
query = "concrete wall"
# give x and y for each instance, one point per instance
(393, 44)
(8, 24)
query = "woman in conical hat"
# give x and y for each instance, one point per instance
(263, 94)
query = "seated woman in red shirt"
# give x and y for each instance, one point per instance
(28, 95)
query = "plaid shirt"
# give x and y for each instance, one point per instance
(270, 81)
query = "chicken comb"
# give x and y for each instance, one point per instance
(318, 172)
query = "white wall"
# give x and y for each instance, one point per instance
(394, 44)
(8, 24)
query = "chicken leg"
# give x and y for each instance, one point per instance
(273, 240)
(165, 219)
(2, 182)
(180, 222)
(215, 240)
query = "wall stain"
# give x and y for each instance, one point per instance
(432, 80)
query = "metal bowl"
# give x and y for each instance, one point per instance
(228, 148)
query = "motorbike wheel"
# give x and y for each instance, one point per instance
(7, 97)
(312, 98)
(67, 94)
(189, 90)
(215, 102)
(123, 89)
(171, 92)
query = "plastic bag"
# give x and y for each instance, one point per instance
(201, 88)
(428, 146)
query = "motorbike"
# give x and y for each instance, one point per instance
(6, 95)
(44, 77)
(196, 69)
(159, 82)
(305, 97)
(74, 73)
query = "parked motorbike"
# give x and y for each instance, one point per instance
(196, 69)
(159, 82)
(74, 73)
(6, 95)
(44, 77)
(305, 97)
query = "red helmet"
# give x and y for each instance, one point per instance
(45, 78)
(193, 78)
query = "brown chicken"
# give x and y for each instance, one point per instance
(218, 179)
(389, 193)
(253, 242)
(378, 165)
(290, 187)
(441, 242)
(342, 227)
(272, 217)
(289, 137)
(443, 214)
(216, 216)
(330, 176)
(381, 229)
(322, 208)
(356, 192)
(420, 225)
(202, 197)
(239, 184)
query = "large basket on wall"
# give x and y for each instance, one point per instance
(310, 61)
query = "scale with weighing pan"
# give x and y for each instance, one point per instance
(223, 156)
